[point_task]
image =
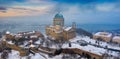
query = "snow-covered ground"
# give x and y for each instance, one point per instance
(15, 55)
(93, 41)
(10, 42)
(37, 56)
(89, 48)
(99, 50)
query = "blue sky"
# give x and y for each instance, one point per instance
(43, 11)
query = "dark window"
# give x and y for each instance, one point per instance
(94, 58)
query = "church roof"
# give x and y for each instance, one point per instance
(68, 28)
(58, 15)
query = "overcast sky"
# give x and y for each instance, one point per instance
(43, 11)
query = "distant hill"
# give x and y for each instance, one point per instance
(81, 31)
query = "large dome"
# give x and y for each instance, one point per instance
(58, 16)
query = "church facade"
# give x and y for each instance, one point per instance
(58, 31)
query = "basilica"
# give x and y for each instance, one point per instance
(58, 31)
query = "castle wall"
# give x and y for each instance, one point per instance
(69, 34)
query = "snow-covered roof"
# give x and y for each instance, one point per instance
(33, 31)
(116, 39)
(38, 41)
(7, 32)
(30, 41)
(26, 33)
(10, 42)
(32, 45)
(67, 29)
(30, 32)
(33, 36)
(104, 34)
(4, 39)
(58, 31)
(18, 36)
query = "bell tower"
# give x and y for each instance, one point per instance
(74, 25)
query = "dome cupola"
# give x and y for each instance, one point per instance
(58, 20)
(58, 15)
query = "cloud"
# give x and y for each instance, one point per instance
(84, 1)
(10, 2)
(36, 7)
(36, 1)
(3, 9)
(24, 11)
(25, 8)
(105, 7)
(88, 5)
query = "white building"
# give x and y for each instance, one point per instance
(105, 36)
(116, 39)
